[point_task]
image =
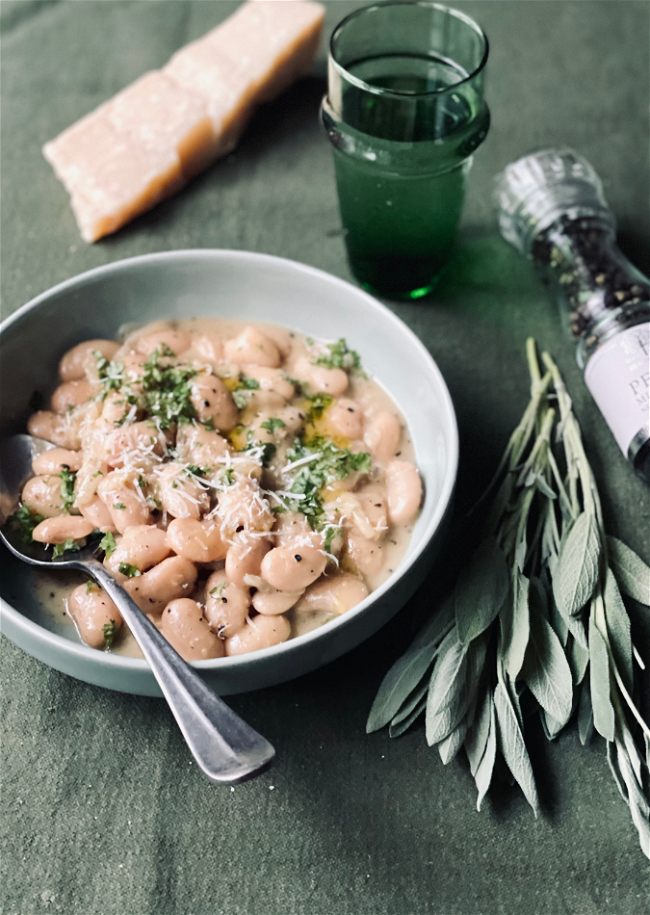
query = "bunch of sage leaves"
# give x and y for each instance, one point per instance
(536, 623)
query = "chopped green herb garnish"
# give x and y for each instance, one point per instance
(110, 630)
(125, 568)
(272, 424)
(108, 544)
(166, 350)
(328, 463)
(69, 546)
(208, 424)
(339, 357)
(239, 393)
(197, 471)
(227, 476)
(23, 522)
(318, 403)
(218, 591)
(111, 374)
(67, 487)
(330, 534)
(89, 586)
(120, 506)
(167, 394)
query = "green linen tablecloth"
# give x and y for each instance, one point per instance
(102, 808)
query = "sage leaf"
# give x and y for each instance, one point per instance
(585, 715)
(559, 624)
(578, 661)
(552, 726)
(515, 625)
(636, 799)
(612, 759)
(547, 672)
(400, 681)
(512, 746)
(619, 631)
(543, 487)
(481, 591)
(449, 747)
(578, 565)
(414, 700)
(477, 735)
(448, 698)
(397, 728)
(631, 572)
(483, 775)
(436, 628)
(599, 683)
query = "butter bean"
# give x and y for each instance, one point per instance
(260, 632)
(124, 501)
(61, 528)
(76, 360)
(209, 347)
(142, 546)
(98, 515)
(172, 578)
(382, 436)
(334, 595)
(198, 541)
(404, 489)
(252, 347)
(293, 568)
(272, 602)
(274, 389)
(55, 460)
(72, 394)
(177, 341)
(181, 496)
(92, 610)
(345, 417)
(245, 558)
(366, 555)
(42, 496)
(199, 446)
(213, 401)
(241, 508)
(226, 604)
(186, 630)
(320, 379)
(62, 430)
(136, 446)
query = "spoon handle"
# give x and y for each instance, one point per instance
(225, 747)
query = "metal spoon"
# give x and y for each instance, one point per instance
(225, 747)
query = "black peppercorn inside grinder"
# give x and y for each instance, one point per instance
(551, 207)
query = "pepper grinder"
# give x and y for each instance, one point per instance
(551, 207)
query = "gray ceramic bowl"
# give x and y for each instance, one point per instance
(253, 287)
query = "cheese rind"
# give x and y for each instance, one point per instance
(150, 139)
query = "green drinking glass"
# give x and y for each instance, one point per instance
(404, 112)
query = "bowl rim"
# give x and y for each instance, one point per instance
(57, 642)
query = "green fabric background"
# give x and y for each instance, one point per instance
(103, 812)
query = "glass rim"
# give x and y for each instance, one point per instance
(377, 90)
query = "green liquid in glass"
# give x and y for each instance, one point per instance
(401, 171)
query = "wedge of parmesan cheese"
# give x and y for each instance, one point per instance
(149, 140)
(110, 176)
(160, 114)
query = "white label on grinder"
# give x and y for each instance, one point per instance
(618, 376)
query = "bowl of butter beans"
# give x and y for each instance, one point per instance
(263, 455)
